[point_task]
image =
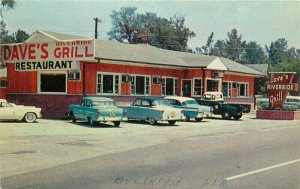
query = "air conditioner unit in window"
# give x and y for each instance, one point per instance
(126, 78)
(156, 80)
(74, 75)
(217, 74)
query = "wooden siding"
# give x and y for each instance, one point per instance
(91, 70)
(241, 79)
(21, 82)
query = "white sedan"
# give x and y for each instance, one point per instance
(11, 111)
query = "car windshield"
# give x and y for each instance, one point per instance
(161, 102)
(190, 103)
(103, 103)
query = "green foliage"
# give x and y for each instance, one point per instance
(17, 37)
(8, 3)
(253, 54)
(131, 27)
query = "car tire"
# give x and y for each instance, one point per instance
(30, 117)
(171, 122)
(152, 121)
(226, 115)
(198, 119)
(117, 123)
(237, 117)
(73, 117)
(91, 122)
(186, 118)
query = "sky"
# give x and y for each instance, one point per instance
(260, 21)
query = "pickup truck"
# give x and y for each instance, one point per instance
(97, 109)
(215, 99)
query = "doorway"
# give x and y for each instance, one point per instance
(186, 88)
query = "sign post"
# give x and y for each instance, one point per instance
(279, 86)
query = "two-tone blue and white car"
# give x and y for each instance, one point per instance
(152, 110)
(188, 105)
(97, 109)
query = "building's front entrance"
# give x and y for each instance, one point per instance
(186, 88)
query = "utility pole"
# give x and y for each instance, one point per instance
(96, 26)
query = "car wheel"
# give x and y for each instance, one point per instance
(90, 122)
(198, 119)
(186, 118)
(117, 123)
(152, 121)
(30, 117)
(226, 115)
(172, 122)
(237, 117)
(73, 117)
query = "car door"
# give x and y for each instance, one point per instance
(145, 111)
(7, 111)
(134, 109)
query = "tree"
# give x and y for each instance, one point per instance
(128, 26)
(278, 51)
(234, 45)
(206, 49)
(8, 3)
(124, 24)
(18, 37)
(253, 54)
(219, 49)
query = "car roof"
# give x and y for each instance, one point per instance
(293, 97)
(213, 93)
(179, 98)
(3, 100)
(98, 98)
(150, 98)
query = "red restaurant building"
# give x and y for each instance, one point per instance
(52, 70)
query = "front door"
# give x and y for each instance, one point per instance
(186, 88)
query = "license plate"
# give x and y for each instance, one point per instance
(112, 115)
(173, 115)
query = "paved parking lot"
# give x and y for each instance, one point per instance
(47, 143)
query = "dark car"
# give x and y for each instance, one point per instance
(215, 99)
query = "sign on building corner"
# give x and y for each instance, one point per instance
(279, 86)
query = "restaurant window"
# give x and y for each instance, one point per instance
(242, 89)
(108, 83)
(3, 83)
(53, 83)
(140, 85)
(197, 87)
(169, 86)
(212, 85)
(226, 88)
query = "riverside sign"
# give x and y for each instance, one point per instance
(279, 86)
(54, 55)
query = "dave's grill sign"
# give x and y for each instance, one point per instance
(56, 55)
(279, 86)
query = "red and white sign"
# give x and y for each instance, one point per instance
(279, 86)
(48, 55)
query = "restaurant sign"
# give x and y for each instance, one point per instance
(279, 86)
(55, 55)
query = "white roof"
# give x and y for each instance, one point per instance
(3, 100)
(179, 98)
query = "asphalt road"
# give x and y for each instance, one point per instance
(243, 154)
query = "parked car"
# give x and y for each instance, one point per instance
(152, 109)
(11, 111)
(291, 103)
(191, 108)
(97, 109)
(215, 99)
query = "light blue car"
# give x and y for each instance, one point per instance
(97, 109)
(152, 110)
(188, 105)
